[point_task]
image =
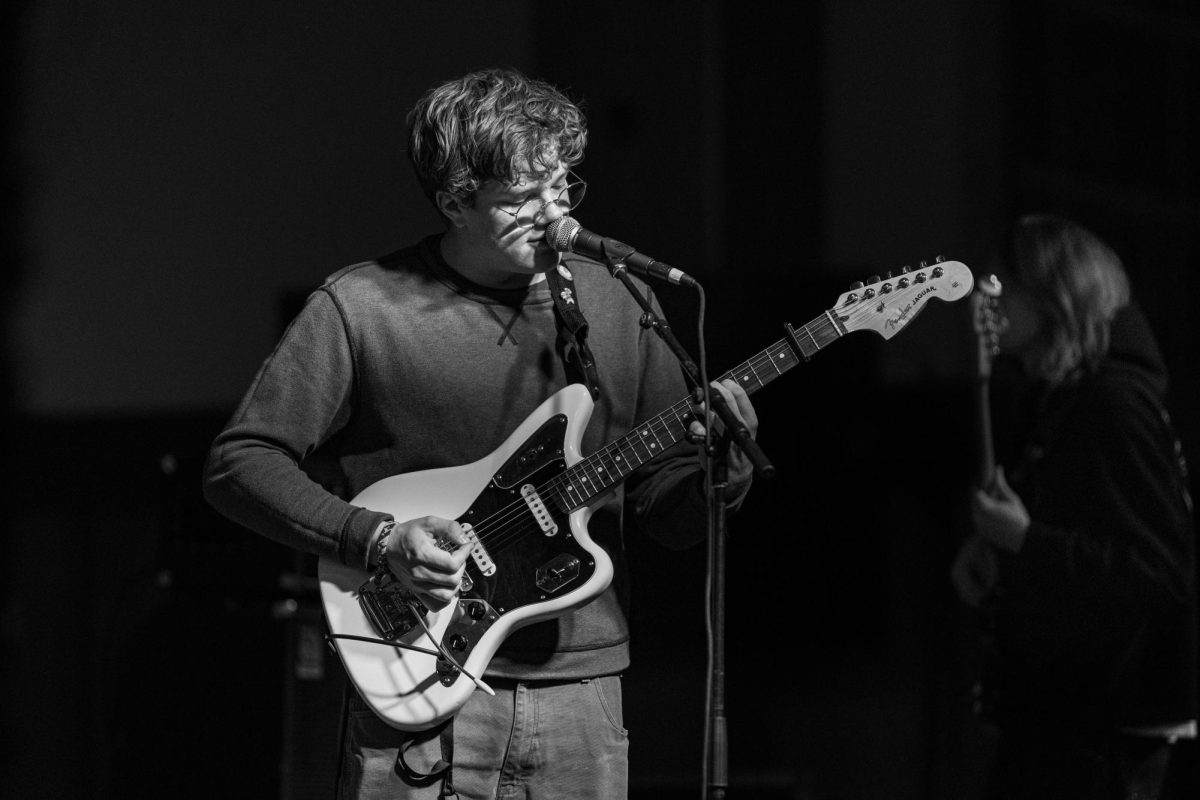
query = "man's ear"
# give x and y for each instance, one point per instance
(452, 206)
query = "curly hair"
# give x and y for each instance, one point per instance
(1078, 284)
(494, 124)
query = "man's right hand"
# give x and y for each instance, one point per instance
(428, 556)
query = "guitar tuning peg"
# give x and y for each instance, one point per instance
(888, 274)
(923, 264)
(905, 268)
(939, 259)
(856, 286)
(873, 279)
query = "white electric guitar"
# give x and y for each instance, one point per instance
(526, 507)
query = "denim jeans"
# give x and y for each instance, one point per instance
(534, 741)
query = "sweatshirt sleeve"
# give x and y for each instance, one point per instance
(303, 394)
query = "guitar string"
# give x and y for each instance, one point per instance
(496, 526)
(562, 485)
(511, 522)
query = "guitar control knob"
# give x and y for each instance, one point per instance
(476, 611)
(457, 642)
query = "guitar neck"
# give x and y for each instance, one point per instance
(986, 469)
(987, 319)
(606, 468)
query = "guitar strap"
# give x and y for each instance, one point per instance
(447, 737)
(573, 330)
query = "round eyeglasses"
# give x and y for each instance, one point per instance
(533, 210)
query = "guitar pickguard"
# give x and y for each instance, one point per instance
(535, 556)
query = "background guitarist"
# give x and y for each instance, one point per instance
(430, 357)
(1087, 558)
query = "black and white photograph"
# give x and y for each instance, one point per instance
(462, 400)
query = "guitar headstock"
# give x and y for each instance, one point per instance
(886, 305)
(987, 320)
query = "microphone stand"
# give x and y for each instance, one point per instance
(718, 749)
(716, 452)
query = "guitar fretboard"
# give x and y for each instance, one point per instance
(610, 465)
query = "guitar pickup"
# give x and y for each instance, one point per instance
(539, 510)
(479, 554)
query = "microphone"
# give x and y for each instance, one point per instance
(566, 235)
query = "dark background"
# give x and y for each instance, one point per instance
(177, 176)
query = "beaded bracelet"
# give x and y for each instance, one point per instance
(381, 563)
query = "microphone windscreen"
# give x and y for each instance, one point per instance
(560, 233)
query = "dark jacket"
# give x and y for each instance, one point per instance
(1096, 616)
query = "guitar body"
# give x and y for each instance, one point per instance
(534, 576)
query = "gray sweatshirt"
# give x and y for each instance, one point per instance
(398, 365)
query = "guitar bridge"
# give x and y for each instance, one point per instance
(388, 607)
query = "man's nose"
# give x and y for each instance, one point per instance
(551, 211)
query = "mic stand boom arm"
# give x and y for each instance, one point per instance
(735, 428)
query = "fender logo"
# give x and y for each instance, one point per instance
(907, 311)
